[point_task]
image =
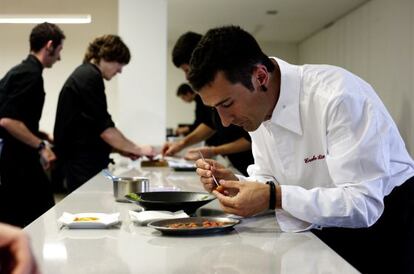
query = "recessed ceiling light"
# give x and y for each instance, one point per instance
(40, 18)
(271, 12)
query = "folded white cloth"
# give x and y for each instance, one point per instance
(144, 217)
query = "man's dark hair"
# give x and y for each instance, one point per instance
(42, 33)
(183, 89)
(231, 50)
(108, 47)
(184, 47)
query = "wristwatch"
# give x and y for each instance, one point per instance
(272, 194)
(41, 146)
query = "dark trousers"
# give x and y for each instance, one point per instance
(25, 191)
(79, 171)
(385, 247)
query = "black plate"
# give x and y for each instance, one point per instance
(163, 225)
(173, 200)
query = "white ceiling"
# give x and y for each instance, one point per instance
(295, 21)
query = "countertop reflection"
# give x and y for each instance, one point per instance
(256, 245)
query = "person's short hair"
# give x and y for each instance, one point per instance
(183, 48)
(43, 33)
(230, 50)
(108, 47)
(184, 89)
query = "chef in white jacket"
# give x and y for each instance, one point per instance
(327, 154)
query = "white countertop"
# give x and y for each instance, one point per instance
(255, 246)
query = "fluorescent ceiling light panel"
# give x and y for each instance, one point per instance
(39, 18)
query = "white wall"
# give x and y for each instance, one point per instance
(179, 112)
(138, 107)
(14, 46)
(285, 51)
(376, 42)
(142, 88)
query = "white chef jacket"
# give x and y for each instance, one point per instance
(333, 148)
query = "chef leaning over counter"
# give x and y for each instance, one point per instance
(84, 131)
(231, 141)
(22, 95)
(327, 154)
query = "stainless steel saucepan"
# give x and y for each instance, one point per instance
(126, 185)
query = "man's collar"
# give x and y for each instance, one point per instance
(95, 66)
(34, 59)
(286, 113)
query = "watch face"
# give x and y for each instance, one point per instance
(41, 146)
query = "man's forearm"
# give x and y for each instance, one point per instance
(19, 131)
(200, 133)
(239, 145)
(117, 140)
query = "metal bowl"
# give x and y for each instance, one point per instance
(126, 185)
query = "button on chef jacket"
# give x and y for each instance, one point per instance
(332, 146)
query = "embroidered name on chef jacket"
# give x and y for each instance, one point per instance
(313, 158)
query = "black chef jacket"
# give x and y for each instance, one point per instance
(203, 113)
(25, 192)
(82, 115)
(240, 160)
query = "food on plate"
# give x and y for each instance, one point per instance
(220, 189)
(154, 163)
(205, 224)
(205, 197)
(85, 219)
(134, 196)
(214, 223)
(183, 225)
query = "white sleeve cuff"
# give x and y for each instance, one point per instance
(288, 223)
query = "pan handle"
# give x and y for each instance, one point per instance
(108, 174)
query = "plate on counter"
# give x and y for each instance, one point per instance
(195, 225)
(89, 220)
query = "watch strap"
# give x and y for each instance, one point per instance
(41, 146)
(272, 194)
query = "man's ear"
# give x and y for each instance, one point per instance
(262, 75)
(49, 46)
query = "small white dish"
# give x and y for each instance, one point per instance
(89, 220)
(144, 217)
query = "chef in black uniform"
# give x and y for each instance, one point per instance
(188, 95)
(202, 112)
(84, 131)
(25, 191)
(232, 141)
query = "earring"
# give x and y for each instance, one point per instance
(263, 88)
